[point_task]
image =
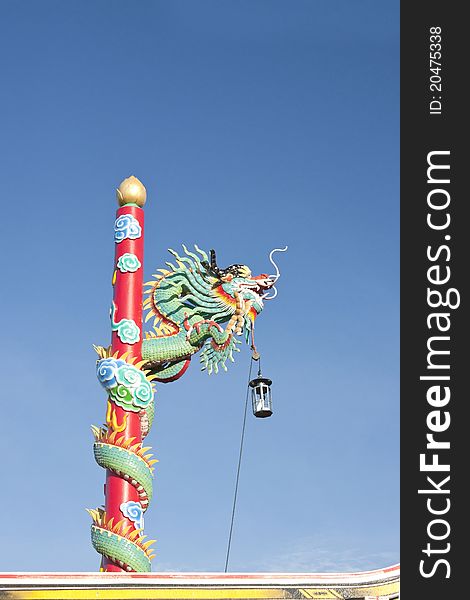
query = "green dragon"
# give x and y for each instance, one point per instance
(189, 303)
(196, 307)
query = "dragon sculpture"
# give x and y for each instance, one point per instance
(195, 307)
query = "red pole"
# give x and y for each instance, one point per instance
(127, 303)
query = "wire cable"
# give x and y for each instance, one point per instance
(238, 469)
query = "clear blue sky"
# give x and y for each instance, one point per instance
(253, 124)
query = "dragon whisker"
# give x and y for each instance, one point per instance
(266, 297)
(278, 273)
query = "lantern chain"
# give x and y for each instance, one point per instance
(238, 467)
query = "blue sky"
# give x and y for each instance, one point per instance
(253, 124)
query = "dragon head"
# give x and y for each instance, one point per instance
(236, 286)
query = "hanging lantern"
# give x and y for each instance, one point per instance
(261, 396)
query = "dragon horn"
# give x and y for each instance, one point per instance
(214, 266)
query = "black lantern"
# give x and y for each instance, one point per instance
(261, 396)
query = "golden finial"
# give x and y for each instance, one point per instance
(131, 191)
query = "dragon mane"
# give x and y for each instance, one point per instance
(188, 288)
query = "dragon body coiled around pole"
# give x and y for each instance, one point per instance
(194, 306)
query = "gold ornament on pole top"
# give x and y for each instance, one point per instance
(131, 191)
